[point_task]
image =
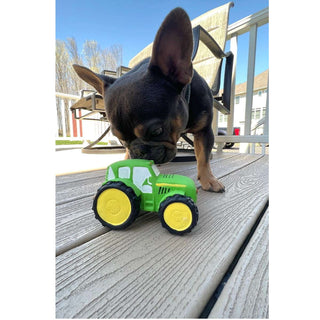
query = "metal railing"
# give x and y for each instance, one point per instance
(248, 24)
(64, 116)
(70, 127)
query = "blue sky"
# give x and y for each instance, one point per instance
(134, 23)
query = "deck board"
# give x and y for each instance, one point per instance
(145, 272)
(75, 222)
(246, 294)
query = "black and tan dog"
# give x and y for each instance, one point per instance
(147, 107)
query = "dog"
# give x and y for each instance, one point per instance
(147, 107)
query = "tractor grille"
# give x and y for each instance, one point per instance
(163, 190)
(168, 176)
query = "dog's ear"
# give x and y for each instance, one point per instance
(172, 48)
(99, 81)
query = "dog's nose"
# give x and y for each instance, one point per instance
(159, 154)
(139, 152)
(142, 151)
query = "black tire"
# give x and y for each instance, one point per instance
(228, 145)
(181, 201)
(114, 213)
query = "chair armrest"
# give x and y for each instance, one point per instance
(226, 96)
(200, 34)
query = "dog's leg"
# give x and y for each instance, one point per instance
(127, 155)
(203, 143)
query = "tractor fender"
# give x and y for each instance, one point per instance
(170, 194)
(128, 183)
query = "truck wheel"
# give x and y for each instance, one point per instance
(228, 145)
(178, 214)
(116, 205)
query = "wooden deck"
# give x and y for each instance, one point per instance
(219, 270)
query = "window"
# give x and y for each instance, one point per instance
(237, 99)
(256, 113)
(263, 112)
(124, 172)
(110, 174)
(140, 178)
(223, 117)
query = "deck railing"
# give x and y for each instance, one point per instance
(70, 128)
(248, 24)
(65, 126)
(248, 140)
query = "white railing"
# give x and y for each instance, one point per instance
(247, 140)
(70, 128)
(64, 116)
(248, 24)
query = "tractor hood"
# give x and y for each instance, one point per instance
(177, 182)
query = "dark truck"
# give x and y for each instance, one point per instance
(186, 142)
(222, 131)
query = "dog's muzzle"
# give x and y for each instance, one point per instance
(159, 153)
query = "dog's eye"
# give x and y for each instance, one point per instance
(156, 132)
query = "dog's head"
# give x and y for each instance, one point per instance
(146, 107)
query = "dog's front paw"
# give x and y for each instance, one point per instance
(210, 183)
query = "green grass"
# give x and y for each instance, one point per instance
(68, 142)
(63, 142)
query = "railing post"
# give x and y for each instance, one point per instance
(215, 127)
(58, 112)
(266, 119)
(74, 129)
(234, 50)
(250, 81)
(63, 118)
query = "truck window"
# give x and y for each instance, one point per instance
(140, 178)
(110, 174)
(124, 172)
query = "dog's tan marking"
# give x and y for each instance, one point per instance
(139, 130)
(208, 181)
(176, 125)
(117, 133)
(127, 155)
(201, 123)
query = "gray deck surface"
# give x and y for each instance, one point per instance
(146, 272)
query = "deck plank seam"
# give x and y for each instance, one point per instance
(194, 164)
(216, 294)
(240, 168)
(82, 240)
(66, 178)
(89, 237)
(88, 195)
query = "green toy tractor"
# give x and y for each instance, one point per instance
(134, 185)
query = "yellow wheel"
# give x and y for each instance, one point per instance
(116, 205)
(178, 214)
